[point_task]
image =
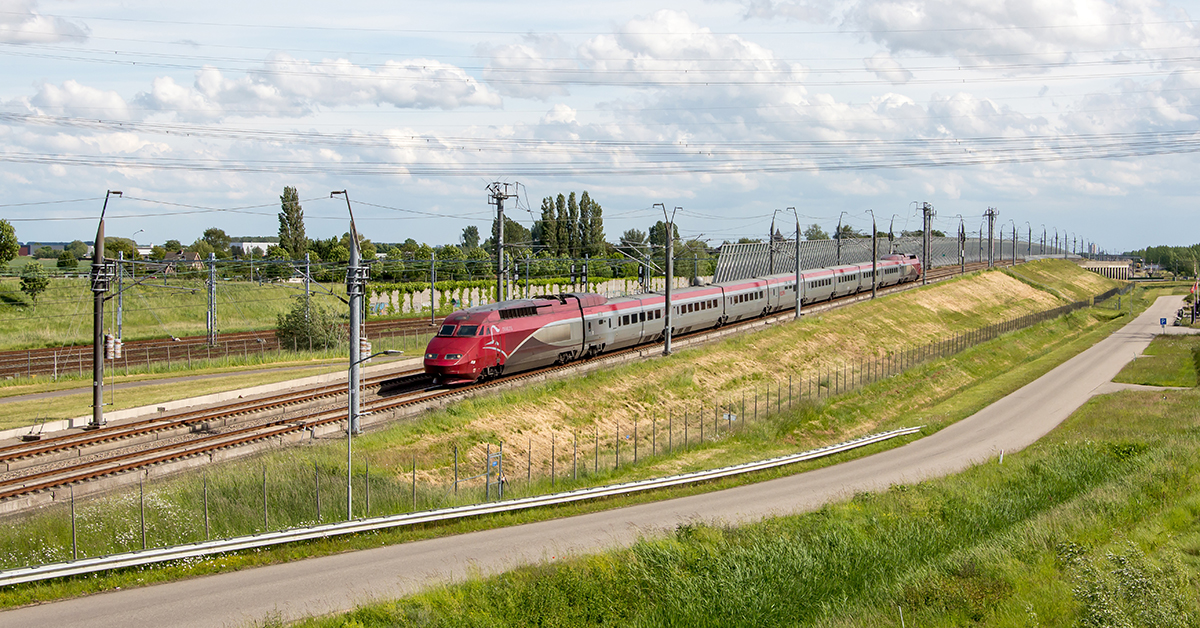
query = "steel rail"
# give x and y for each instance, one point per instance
(113, 432)
(208, 548)
(283, 426)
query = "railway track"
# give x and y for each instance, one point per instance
(68, 459)
(77, 359)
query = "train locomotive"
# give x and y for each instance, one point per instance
(486, 341)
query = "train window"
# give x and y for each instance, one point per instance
(625, 319)
(642, 317)
(467, 330)
(446, 330)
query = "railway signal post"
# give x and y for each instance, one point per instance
(799, 283)
(100, 278)
(927, 213)
(670, 255)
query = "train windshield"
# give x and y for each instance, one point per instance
(446, 330)
(467, 330)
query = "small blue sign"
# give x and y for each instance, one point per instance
(1162, 321)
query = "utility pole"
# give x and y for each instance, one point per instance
(962, 246)
(991, 222)
(120, 291)
(100, 279)
(212, 299)
(356, 282)
(838, 236)
(670, 254)
(928, 213)
(432, 281)
(799, 279)
(307, 288)
(771, 246)
(497, 193)
(874, 256)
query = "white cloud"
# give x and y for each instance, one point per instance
(535, 68)
(990, 32)
(20, 23)
(78, 100)
(887, 68)
(286, 86)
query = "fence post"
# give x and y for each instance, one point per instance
(74, 540)
(414, 487)
(596, 462)
(266, 525)
(575, 457)
(142, 507)
(317, 486)
(635, 443)
(456, 469)
(670, 432)
(553, 443)
(207, 533)
(529, 462)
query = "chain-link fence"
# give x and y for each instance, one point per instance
(310, 486)
(756, 259)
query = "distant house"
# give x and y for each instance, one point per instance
(183, 259)
(144, 250)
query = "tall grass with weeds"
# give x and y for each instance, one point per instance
(1096, 526)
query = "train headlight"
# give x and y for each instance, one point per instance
(430, 356)
(453, 356)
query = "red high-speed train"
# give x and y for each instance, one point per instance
(512, 336)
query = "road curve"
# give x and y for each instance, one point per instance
(331, 583)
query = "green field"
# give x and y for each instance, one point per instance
(935, 394)
(1096, 525)
(1168, 361)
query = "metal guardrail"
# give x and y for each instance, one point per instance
(209, 548)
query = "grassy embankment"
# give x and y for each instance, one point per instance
(933, 394)
(1098, 524)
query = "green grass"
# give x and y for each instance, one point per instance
(62, 315)
(1096, 525)
(984, 373)
(1168, 361)
(935, 394)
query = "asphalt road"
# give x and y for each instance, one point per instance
(326, 584)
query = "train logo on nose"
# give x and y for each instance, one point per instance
(493, 342)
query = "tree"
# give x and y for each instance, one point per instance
(113, 246)
(573, 248)
(591, 224)
(173, 246)
(815, 232)
(34, 280)
(546, 230)
(9, 247)
(658, 233)
(562, 227)
(291, 224)
(44, 252)
(470, 237)
(66, 261)
(846, 232)
(158, 252)
(201, 248)
(78, 249)
(314, 326)
(217, 239)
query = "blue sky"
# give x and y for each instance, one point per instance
(1076, 115)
